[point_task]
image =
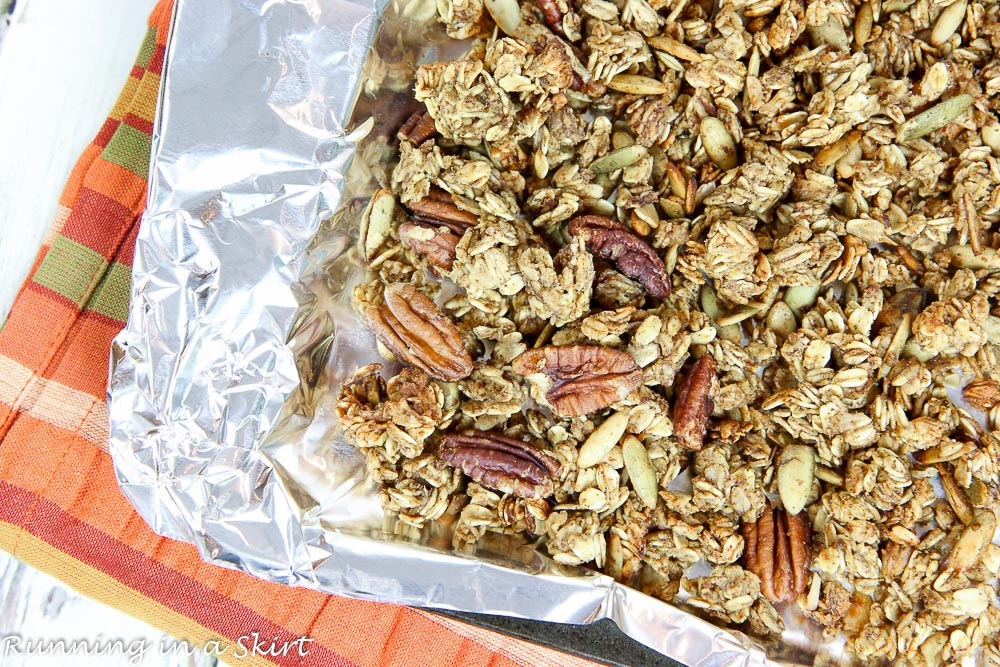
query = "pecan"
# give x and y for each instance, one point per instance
(983, 394)
(587, 378)
(437, 209)
(418, 128)
(416, 331)
(613, 241)
(436, 244)
(778, 549)
(436, 228)
(693, 403)
(502, 463)
(552, 14)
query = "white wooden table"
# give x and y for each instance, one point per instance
(62, 65)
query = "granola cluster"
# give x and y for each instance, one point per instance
(682, 283)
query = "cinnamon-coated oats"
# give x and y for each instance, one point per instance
(751, 240)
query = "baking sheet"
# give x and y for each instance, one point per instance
(275, 124)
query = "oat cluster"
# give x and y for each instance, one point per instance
(678, 281)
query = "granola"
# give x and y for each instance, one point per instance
(754, 242)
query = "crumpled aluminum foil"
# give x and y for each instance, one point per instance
(276, 121)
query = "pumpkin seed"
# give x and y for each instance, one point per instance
(633, 84)
(801, 297)
(781, 319)
(718, 143)
(639, 225)
(710, 302)
(737, 315)
(971, 544)
(831, 33)
(602, 440)
(991, 136)
(670, 259)
(691, 196)
(863, 24)
(506, 13)
(672, 208)
(377, 222)
(948, 22)
(602, 207)
(955, 497)
(676, 180)
(829, 155)
(674, 48)
(647, 212)
(621, 139)
(796, 471)
(619, 159)
(641, 471)
(732, 333)
(934, 118)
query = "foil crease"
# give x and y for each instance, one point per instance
(276, 121)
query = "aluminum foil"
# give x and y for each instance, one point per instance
(276, 121)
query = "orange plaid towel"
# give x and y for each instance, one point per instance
(60, 507)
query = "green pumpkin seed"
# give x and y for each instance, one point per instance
(619, 159)
(718, 143)
(641, 471)
(934, 118)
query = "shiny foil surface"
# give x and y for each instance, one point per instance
(277, 120)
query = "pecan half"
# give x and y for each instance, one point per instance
(693, 403)
(778, 549)
(437, 209)
(613, 241)
(552, 14)
(436, 244)
(436, 228)
(502, 463)
(416, 331)
(982, 394)
(587, 378)
(418, 128)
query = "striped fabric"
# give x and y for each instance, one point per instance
(60, 508)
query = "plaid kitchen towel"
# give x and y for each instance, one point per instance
(60, 508)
